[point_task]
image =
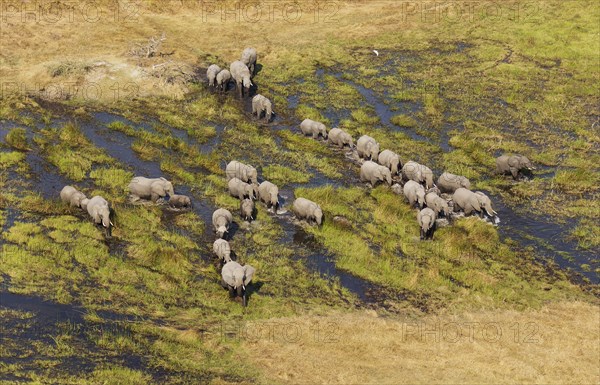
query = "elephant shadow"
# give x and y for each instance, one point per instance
(233, 229)
(525, 175)
(257, 68)
(254, 287)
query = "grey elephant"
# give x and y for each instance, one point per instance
(470, 202)
(340, 138)
(150, 188)
(222, 220)
(415, 193)
(308, 210)
(418, 173)
(222, 250)
(513, 164)
(367, 148)
(180, 201)
(437, 204)
(236, 278)
(247, 209)
(390, 160)
(99, 210)
(426, 218)
(314, 128)
(223, 79)
(73, 197)
(241, 75)
(249, 57)
(240, 189)
(241, 171)
(449, 183)
(211, 74)
(260, 105)
(268, 193)
(372, 172)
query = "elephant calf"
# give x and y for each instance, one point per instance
(211, 74)
(415, 193)
(268, 193)
(73, 197)
(437, 204)
(372, 172)
(222, 220)
(311, 127)
(241, 171)
(235, 278)
(418, 173)
(247, 209)
(470, 202)
(309, 210)
(367, 148)
(426, 219)
(513, 165)
(240, 189)
(99, 210)
(340, 138)
(449, 183)
(249, 57)
(180, 201)
(223, 79)
(150, 188)
(390, 160)
(260, 105)
(222, 250)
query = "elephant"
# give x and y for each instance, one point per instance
(211, 74)
(240, 189)
(74, 197)
(418, 173)
(249, 57)
(180, 201)
(426, 218)
(311, 127)
(241, 171)
(390, 160)
(470, 201)
(247, 209)
(437, 204)
(513, 164)
(367, 147)
(309, 210)
(268, 193)
(415, 193)
(372, 172)
(99, 210)
(235, 278)
(221, 220)
(152, 188)
(241, 75)
(340, 138)
(223, 79)
(261, 104)
(449, 183)
(222, 250)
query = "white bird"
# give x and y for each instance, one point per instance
(376, 53)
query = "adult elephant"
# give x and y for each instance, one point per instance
(470, 202)
(340, 138)
(449, 183)
(99, 210)
(236, 278)
(372, 172)
(308, 210)
(418, 173)
(260, 105)
(268, 193)
(244, 172)
(367, 148)
(513, 164)
(314, 128)
(390, 160)
(150, 188)
(249, 57)
(415, 193)
(241, 75)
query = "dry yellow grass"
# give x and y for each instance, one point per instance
(557, 344)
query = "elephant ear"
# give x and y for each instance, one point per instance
(96, 215)
(475, 203)
(249, 274)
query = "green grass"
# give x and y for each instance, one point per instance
(403, 121)
(17, 139)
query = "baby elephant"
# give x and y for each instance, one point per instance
(513, 165)
(426, 219)
(260, 105)
(309, 210)
(99, 210)
(222, 250)
(390, 160)
(221, 220)
(449, 183)
(247, 209)
(240, 189)
(311, 127)
(415, 193)
(75, 198)
(268, 193)
(211, 74)
(367, 148)
(235, 278)
(437, 204)
(180, 201)
(223, 79)
(340, 138)
(372, 172)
